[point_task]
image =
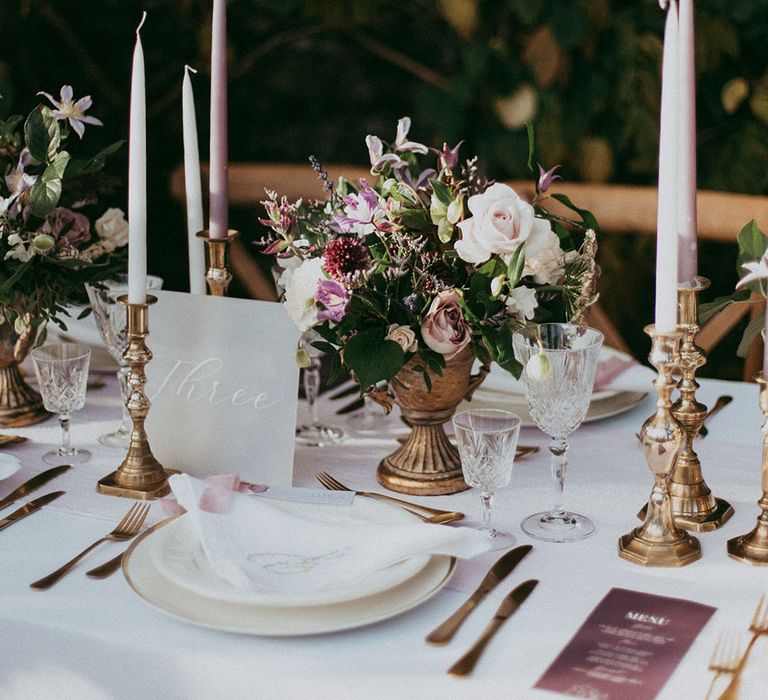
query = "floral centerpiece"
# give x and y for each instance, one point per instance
(48, 247)
(408, 276)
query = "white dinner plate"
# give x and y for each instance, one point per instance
(605, 407)
(9, 465)
(177, 555)
(243, 618)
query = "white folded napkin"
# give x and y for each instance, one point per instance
(255, 545)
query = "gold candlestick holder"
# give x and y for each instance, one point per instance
(693, 504)
(218, 275)
(140, 475)
(659, 541)
(753, 547)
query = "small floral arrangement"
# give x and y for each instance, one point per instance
(752, 268)
(425, 261)
(48, 198)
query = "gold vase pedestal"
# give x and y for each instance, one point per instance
(659, 541)
(694, 506)
(753, 547)
(20, 405)
(140, 475)
(427, 464)
(218, 275)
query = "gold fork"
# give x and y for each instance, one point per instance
(335, 485)
(758, 627)
(127, 528)
(725, 659)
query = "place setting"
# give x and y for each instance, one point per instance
(332, 459)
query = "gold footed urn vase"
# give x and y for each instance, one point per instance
(20, 405)
(427, 464)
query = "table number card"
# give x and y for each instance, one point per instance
(223, 385)
(627, 648)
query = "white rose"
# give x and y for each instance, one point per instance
(403, 336)
(300, 293)
(522, 301)
(544, 259)
(112, 229)
(500, 222)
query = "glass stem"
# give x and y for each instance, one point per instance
(558, 449)
(311, 388)
(65, 448)
(487, 498)
(122, 376)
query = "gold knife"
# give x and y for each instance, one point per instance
(499, 571)
(513, 600)
(29, 508)
(34, 483)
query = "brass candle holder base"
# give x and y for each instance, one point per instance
(659, 541)
(218, 275)
(140, 475)
(753, 547)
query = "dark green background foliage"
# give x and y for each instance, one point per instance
(315, 76)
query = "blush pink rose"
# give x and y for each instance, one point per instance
(444, 329)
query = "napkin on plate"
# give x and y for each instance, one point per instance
(255, 545)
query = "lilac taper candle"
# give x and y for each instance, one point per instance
(137, 179)
(217, 179)
(666, 235)
(686, 208)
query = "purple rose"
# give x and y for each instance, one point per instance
(444, 329)
(334, 298)
(68, 228)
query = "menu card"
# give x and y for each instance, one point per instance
(627, 648)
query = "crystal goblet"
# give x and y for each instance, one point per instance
(487, 440)
(110, 320)
(315, 433)
(62, 376)
(559, 364)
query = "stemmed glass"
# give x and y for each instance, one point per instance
(315, 433)
(62, 376)
(487, 440)
(559, 363)
(110, 320)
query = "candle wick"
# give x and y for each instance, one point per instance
(141, 24)
(188, 68)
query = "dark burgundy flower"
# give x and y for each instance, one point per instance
(343, 256)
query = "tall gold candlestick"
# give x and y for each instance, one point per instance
(218, 275)
(140, 475)
(693, 504)
(659, 541)
(753, 547)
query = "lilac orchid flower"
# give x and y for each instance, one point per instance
(359, 212)
(546, 178)
(71, 111)
(378, 158)
(19, 182)
(401, 140)
(334, 297)
(448, 157)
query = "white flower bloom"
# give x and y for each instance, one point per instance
(544, 259)
(500, 222)
(497, 284)
(403, 336)
(755, 271)
(522, 301)
(112, 229)
(67, 109)
(300, 293)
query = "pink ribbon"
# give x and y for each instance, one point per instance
(610, 369)
(217, 495)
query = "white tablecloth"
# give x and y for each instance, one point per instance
(96, 639)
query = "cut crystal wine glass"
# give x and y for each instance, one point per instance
(110, 320)
(559, 364)
(62, 376)
(487, 440)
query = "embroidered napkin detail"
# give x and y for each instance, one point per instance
(256, 545)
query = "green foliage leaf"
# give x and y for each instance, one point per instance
(416, 219)
(588, 219)
(442, 191)
(708, 310)
(95, 164)
(373, 359)
(516, 265)
(42, 134)
(750, 333)
(752, 246)
(44, 196)
(531, 146)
